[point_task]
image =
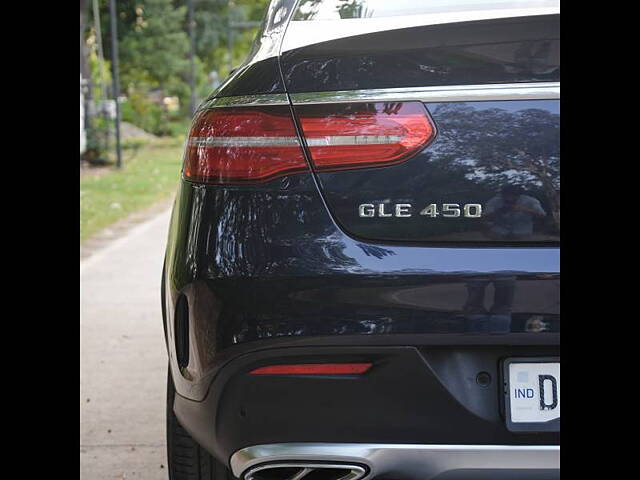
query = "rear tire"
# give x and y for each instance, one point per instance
(186, 459)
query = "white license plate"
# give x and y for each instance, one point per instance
(533, 395)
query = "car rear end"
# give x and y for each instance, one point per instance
(362, 274)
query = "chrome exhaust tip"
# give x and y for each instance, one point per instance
(364, 461)
(305, 471)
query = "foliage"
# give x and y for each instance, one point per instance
(96, 152)
(100, 75)
(154, 52)
(213, 33)
(144, 113)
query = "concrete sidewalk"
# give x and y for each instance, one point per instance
(123, 358)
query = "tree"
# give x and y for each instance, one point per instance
(212, 30)
(154, 44)
(155, 50)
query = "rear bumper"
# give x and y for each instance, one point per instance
(411, 395)
(423, 462)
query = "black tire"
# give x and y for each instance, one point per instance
(186, 459)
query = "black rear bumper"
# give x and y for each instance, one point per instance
(411, 395)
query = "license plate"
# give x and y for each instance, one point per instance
(532, 394)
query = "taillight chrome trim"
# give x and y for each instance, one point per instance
(352, 140)
(243, 142)
(246, 101)
(454, 93)
(326, 141)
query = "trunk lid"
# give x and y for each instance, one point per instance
(492, 173)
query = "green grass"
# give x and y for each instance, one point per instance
(150, 174)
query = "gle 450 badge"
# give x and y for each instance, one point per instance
(433, 210)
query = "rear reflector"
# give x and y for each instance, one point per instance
(313, 369)
(242, 145)
(358, 135)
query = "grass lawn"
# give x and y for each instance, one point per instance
(149, 175)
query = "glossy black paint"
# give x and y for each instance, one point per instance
(268, 261)
(480, 148)
(283, 270)
(410, 395)
(261, 77)
(524, 49)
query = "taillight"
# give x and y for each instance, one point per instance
(242, 145)
(313, 369)
(358, 135)
(251, 144)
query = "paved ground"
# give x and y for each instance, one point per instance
(122, 227)
(122, 358)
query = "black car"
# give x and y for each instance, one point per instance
(362, 274)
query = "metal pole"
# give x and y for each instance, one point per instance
(116, 76)
(230, 42)
(85, 72)
(96, 21)
(192, 54)
(103, 85)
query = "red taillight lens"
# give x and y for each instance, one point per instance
(313, 369)
(242, 145)
(357, 135)
(250, 144)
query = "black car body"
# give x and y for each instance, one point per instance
(364, 240)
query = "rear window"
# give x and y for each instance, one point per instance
(350, 9)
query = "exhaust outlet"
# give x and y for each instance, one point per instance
(305, 471)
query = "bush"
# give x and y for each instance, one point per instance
(151, 117)
(179, 128)
(97, 149)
